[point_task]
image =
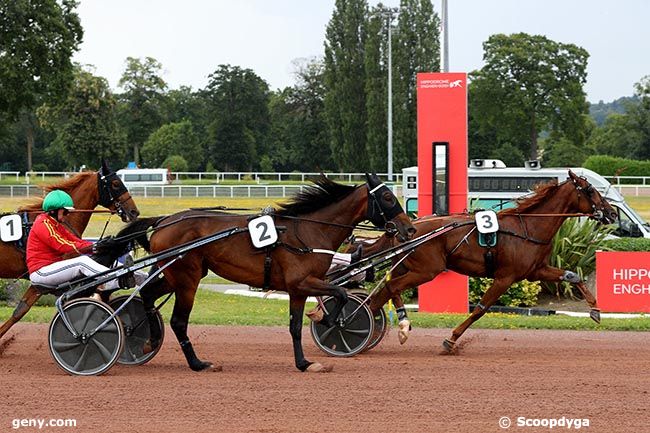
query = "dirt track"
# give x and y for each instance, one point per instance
(602, 376)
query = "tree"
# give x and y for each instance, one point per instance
(141, 109)
(531, 84)
(640, 117)
(173, 139)
(240, 120)
(376, 70)
(345, 82)
(416, 49)
(85, 123)
(37, 40)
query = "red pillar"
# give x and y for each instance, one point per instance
(442, 117)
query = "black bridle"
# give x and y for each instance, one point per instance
(383, 206)
(110, 192)
(598, 212)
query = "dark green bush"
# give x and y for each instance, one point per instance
(521, 294)
(615, 166)
(628, 244)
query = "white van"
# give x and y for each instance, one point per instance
(492, 185)
(143, 176)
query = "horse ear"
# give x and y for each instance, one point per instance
(105, 169)
(572, 175)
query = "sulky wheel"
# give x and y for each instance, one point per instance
(136, 330)
(350, 334)
(381, 324)
(94, 350)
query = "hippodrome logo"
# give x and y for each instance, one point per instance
(637, 281)
(441, 84)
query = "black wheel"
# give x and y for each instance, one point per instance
(381, 324)
(352, 331)
(137, 330)
(94, 351)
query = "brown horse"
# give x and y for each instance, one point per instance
(522, 250)
(87, 190)
(318, 219)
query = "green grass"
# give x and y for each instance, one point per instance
(211, 308)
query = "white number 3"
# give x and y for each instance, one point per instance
(486, 221)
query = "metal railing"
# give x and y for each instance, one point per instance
(6, 174)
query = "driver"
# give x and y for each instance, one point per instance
(49, 240)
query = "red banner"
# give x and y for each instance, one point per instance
(623, 281)
(442, 118)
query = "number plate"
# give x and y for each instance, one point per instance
(11, 228)
(262, 230)
(486, 221)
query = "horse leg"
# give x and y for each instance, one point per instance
(312, 286)
(498, 288)
(179, 321)
(403, 322)
(550, 273)
(30, 296)
(296, 309)
(150, 293)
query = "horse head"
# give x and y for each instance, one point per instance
(385, 211)
(114, 195)
(590, 200)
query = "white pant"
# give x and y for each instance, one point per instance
(340, 259)
(67, 270)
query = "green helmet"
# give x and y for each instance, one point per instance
(57, 199)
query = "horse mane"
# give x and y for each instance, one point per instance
(66, 185)
(323, 193)
(542, 191)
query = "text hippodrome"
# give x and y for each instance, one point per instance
(629, 288)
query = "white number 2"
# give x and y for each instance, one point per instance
(262, 231)
(11, 228)
(486, 221)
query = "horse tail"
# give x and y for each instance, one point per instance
(137, 230)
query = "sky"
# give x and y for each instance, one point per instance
(191, 38)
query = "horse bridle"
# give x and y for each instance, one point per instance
(108, 195)
(587, 191)
(380, 215)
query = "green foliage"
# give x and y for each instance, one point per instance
(530, 84)
(615, 166)
(37, 41)
(345, 81)
(173, 139)
(141, 109)
(175, 163)
(521, 294)
(85, 123)
(574, 249)
(563, 153)
(627, 244)
(511, 155)
(240, 121)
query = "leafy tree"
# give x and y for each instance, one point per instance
(175, 163)
(240, 120)
(177, 139)
(141, 109)
(531, 84)
(37, 40)
(640, 117)
(345, 82)
(417, 49)
(376, 69)
(85, 123)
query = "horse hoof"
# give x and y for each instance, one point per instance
(403, 333)
(448, 345)
(317, 367)
(316, 315)
(206, 366)
(595, 315)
